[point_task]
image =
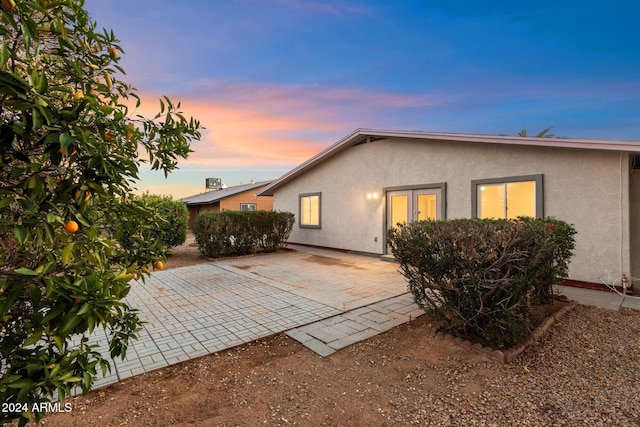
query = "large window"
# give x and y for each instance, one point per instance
(310, 210)
(507, 197)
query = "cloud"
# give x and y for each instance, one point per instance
(256, 126)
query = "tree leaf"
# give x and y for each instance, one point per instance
(67, 252)
(48, 228)
(20, 233)
(4, 55)
(66, 139)
(38, 118)
(33, 339)
(58, 341)
(84, 309)
(23, 383)
(5, 202)
(25, 271)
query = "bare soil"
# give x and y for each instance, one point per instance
(277, 381)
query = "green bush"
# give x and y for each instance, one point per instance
(168, 229)
(211, 238)
(549, 261)
(239, 229)
(482, 277)
(272, 229)
(241, 233)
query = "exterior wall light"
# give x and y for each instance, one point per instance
(373, 196)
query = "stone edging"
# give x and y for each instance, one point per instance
(509, 354)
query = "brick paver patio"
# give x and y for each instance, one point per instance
(324, 299)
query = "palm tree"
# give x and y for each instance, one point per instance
(542, 134)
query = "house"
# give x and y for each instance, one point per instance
(349, 194)
(237, 198)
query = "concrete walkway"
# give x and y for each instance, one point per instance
(324, 299)
(602, 299)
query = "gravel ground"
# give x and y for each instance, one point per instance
(585, 371)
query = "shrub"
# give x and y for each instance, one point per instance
(169, 227)
(549, 260)
(272, 229)
(212, 240)
(481, 277)
(175, 216)
(239, 228)
(241, 233)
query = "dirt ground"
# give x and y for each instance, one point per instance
(277, 381)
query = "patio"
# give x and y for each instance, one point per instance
(326, 300)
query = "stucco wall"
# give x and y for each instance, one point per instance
(634, 191)
(580, 186)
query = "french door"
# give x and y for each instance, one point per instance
(405, 206)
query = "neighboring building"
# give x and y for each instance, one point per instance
(238, 198)
(349, 194)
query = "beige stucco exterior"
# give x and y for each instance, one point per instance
(592, 189)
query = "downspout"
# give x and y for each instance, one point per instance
(625, 220)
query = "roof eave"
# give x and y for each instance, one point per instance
(359, 134)
(227, 195)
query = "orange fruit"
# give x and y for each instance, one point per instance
(87, 196)
(71, 226)
(159, 265)
(9, 5)
(113, 51)
(63, 151)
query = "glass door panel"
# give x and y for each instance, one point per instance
(427, 204)
(413, 205)
(398, 208)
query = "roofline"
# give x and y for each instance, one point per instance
(231, 194)
(360, 135)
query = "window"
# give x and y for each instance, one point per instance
(248, 206)
(507, 197)
(310, 210)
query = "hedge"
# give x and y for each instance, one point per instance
(482, 277)
(172, 216)
(241, 233)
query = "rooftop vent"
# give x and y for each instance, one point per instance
(213, 183)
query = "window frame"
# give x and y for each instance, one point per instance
(255, 207)
(304, 195)
(538, 179)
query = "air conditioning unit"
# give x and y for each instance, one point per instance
(213, 183)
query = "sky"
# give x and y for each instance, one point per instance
(274, 82)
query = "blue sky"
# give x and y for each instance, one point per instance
(276, 81)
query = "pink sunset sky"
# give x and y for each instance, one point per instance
(276, 81)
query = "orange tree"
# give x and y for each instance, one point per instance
(70, 151)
